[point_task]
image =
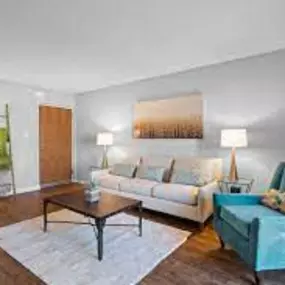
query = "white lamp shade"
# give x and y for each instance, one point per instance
(234, 138)
(105, 139)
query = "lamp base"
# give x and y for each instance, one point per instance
(233, 176)
(104, 163)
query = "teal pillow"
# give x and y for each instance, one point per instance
(153, 173)
(126, 170)
(282, 183)
(180, 176)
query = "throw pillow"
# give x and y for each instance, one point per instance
(180, 176)
(274, 199)
(126, 170)
(153, 173)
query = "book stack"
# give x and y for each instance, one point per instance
(91, 194)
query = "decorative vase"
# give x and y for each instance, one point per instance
(92, 191)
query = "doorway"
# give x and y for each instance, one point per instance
(55, 142)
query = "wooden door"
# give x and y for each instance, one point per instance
(55, 144)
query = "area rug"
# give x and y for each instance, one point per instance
(67, 254)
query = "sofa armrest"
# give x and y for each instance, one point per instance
(268, 242)
(205, 200)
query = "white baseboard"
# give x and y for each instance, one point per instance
(38, 187)
(79, 181)
(28, 189)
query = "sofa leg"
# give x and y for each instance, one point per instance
(221, 242)
(257, 278)
(201, 226)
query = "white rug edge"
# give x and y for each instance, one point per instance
(140, 278)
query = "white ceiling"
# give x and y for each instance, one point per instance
(80, 45)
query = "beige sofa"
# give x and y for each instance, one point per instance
(186, 201)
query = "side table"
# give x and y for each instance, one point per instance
(242, 185)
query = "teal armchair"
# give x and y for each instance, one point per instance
(255, 232)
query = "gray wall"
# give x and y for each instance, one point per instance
(247, 93)
(24, 102)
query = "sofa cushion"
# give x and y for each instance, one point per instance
(159, 161)
(241, 216)
(123, 169)
(206, 169)
(111, 181)
(185, 177)
(153, 173)
(139, 186)
(184, 194)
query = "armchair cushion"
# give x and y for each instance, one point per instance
(240, 217)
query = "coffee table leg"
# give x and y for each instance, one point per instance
(140, 219)
(100, 226)
(45, 215)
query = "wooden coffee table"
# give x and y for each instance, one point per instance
(97, 212)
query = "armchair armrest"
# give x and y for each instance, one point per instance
(268, 242)
(236, 199)
(205, 200)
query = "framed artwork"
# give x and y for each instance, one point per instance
(174, 118)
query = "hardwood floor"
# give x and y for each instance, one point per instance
(198, 261)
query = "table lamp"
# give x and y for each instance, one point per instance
(233, 138)
(105, 139)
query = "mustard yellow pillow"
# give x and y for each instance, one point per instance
(274, 200)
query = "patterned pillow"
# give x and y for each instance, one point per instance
(153, 173)
(274, 200)
(126, 170)
(94, 181)
(207, 169)
(180, 176)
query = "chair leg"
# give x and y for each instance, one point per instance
(257, 278)
(221, 242)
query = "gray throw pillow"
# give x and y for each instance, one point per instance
(180, 176)
(121, 169)
(153, 173)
